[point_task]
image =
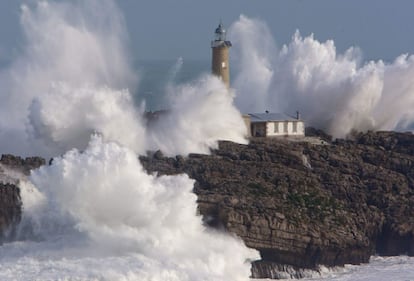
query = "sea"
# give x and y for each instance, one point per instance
(379, 268)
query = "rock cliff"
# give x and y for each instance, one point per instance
(304, 204)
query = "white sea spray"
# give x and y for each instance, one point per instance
(99, 206)
(200, 114)
(94, 213)
(333, 91)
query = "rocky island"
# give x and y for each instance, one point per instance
(301, 204)
(304, 204)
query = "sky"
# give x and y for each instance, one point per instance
(168, 29)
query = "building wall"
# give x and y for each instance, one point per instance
(220, 63)
(285, 128)
(246, 119)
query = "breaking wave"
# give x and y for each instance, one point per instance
(336, 92)
(97, 214)
(94, 213)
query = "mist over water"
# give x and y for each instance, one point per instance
(336, 92)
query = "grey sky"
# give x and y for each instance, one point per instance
(167, 29)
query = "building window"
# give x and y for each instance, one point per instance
(295, 127)
(276, 124)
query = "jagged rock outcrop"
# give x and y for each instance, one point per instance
(11, 168)
(302, 204)
(10, 208)
(23, 165)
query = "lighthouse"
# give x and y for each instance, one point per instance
(220, 58)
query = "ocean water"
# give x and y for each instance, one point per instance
(75, 94)
(399, 268)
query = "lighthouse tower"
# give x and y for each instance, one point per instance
(220, 60)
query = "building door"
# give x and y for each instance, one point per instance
(259, 129)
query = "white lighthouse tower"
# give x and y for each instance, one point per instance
(220, 58)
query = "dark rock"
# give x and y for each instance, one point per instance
(10, 201)
(20, 164)
(313, 132)
(10, 209)
(158, 155)
(279, 271)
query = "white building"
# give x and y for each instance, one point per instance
(275, 125)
